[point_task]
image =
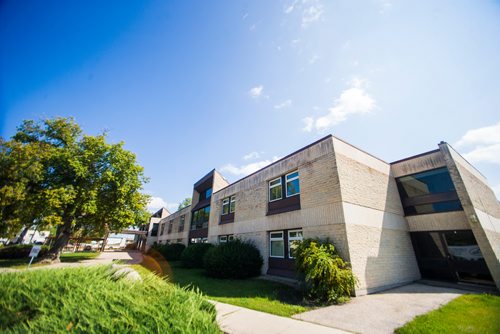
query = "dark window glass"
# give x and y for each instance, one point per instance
(154, 230)
(206, 194)
(200, 218)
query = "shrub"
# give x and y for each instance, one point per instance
(327, 277)
(192, 256)
(19, 251)
(234, 259)
(171, 252)
(91, 300)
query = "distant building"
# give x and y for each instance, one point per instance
(429, 216)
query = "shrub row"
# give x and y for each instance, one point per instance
(19, 251)
(171, 252)
(192, 256)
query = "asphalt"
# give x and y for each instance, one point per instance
(382, 312)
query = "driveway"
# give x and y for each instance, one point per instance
(382, 312)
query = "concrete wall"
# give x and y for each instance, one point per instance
(380, 247)
(175, 219)
(481, 207)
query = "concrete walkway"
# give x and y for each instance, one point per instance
(238, 320)
(382, 312)
(106, 257)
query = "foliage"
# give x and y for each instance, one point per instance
(171, 252)
(20, 251)
(465, 314)
(192, 256)
(327, 277)
(254, 293)
(234, 259)
(91, 300)
(186, 202)
(51, 175)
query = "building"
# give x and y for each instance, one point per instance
(428, 216)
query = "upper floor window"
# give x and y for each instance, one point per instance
(200, 218)
(154, 230)
(206, 194)
(292, 184)
(162, 228)
(181, 223)
(228, 205)
(170, 224)
(275, 189)
(428, 192)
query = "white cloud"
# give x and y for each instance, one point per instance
(156, 203)
(284, 104)
(256, 91)
(251, 155)
(354, 100)
(311, 14)
(247, 169)
(288, 9)
(482, 144)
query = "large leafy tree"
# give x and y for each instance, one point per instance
(52, 175)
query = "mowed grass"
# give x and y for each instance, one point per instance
(465, 314)
(256, 294)
(65, 257)
(92, 300)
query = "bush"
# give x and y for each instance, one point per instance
(327, 277)
(192, 256)
(20, 251)
(171, 252)
(91, 300)
(234, 259)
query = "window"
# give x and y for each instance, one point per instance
(292, 184)
(223, 239)
(428, 192)
(225, 206)
(277, 244)
(181, 223)
(228, 205)
(230, 237)
(293, 237)
(200, 218)
(162, 229)
(206, 194)
(275, 189)
(170, 224)
(154, 230)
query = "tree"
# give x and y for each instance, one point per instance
(186, 202)
(51, 175)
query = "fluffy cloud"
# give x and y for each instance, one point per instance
(283, 105)
(251, 155)
(354, 100)
(247, 169)
(156, 203)
(311, 14)
(256, 91)
(482, 144)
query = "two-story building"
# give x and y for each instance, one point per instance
(432, 215)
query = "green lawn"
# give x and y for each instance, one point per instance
(465, 314)
(92, 300)
(65, 257)
(256, 294)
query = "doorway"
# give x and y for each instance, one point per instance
(450, 256)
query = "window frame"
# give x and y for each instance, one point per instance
(293, 179)
(228, 205)
(271, 239)
(232, 199)
(292, 239)
(273, 186)
(221, 237)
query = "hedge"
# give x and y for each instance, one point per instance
(192, 256)
(171, 252)
(234, 259)
(20, 251)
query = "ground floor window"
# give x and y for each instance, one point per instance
(225, 238)
(293, 238)
(277, 244)
(199, 240)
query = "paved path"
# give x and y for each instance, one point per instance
(106, 257)
(382, 312)
(238, 320)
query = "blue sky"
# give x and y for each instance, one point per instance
(190, 86)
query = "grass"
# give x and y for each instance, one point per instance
(92, 300)
(65, 257)
(465, 314)
(256, 294)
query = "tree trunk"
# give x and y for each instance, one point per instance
(22, 235)
(61, 239)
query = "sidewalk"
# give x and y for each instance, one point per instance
(238, 320)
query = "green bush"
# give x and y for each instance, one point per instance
(327, 277)
(20, 251)
(192, 256)
(91, 300)
(234, 259)
(171, 252)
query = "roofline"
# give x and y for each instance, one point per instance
(277, 161)
(359, 149)
(416, 156)
(204, 178)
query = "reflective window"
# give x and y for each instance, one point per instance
(232, 204)
(200, 218)
(181, 223)
(225, 206)
(275, 189)
(292, 184)
(277, 244)
(294, 237)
